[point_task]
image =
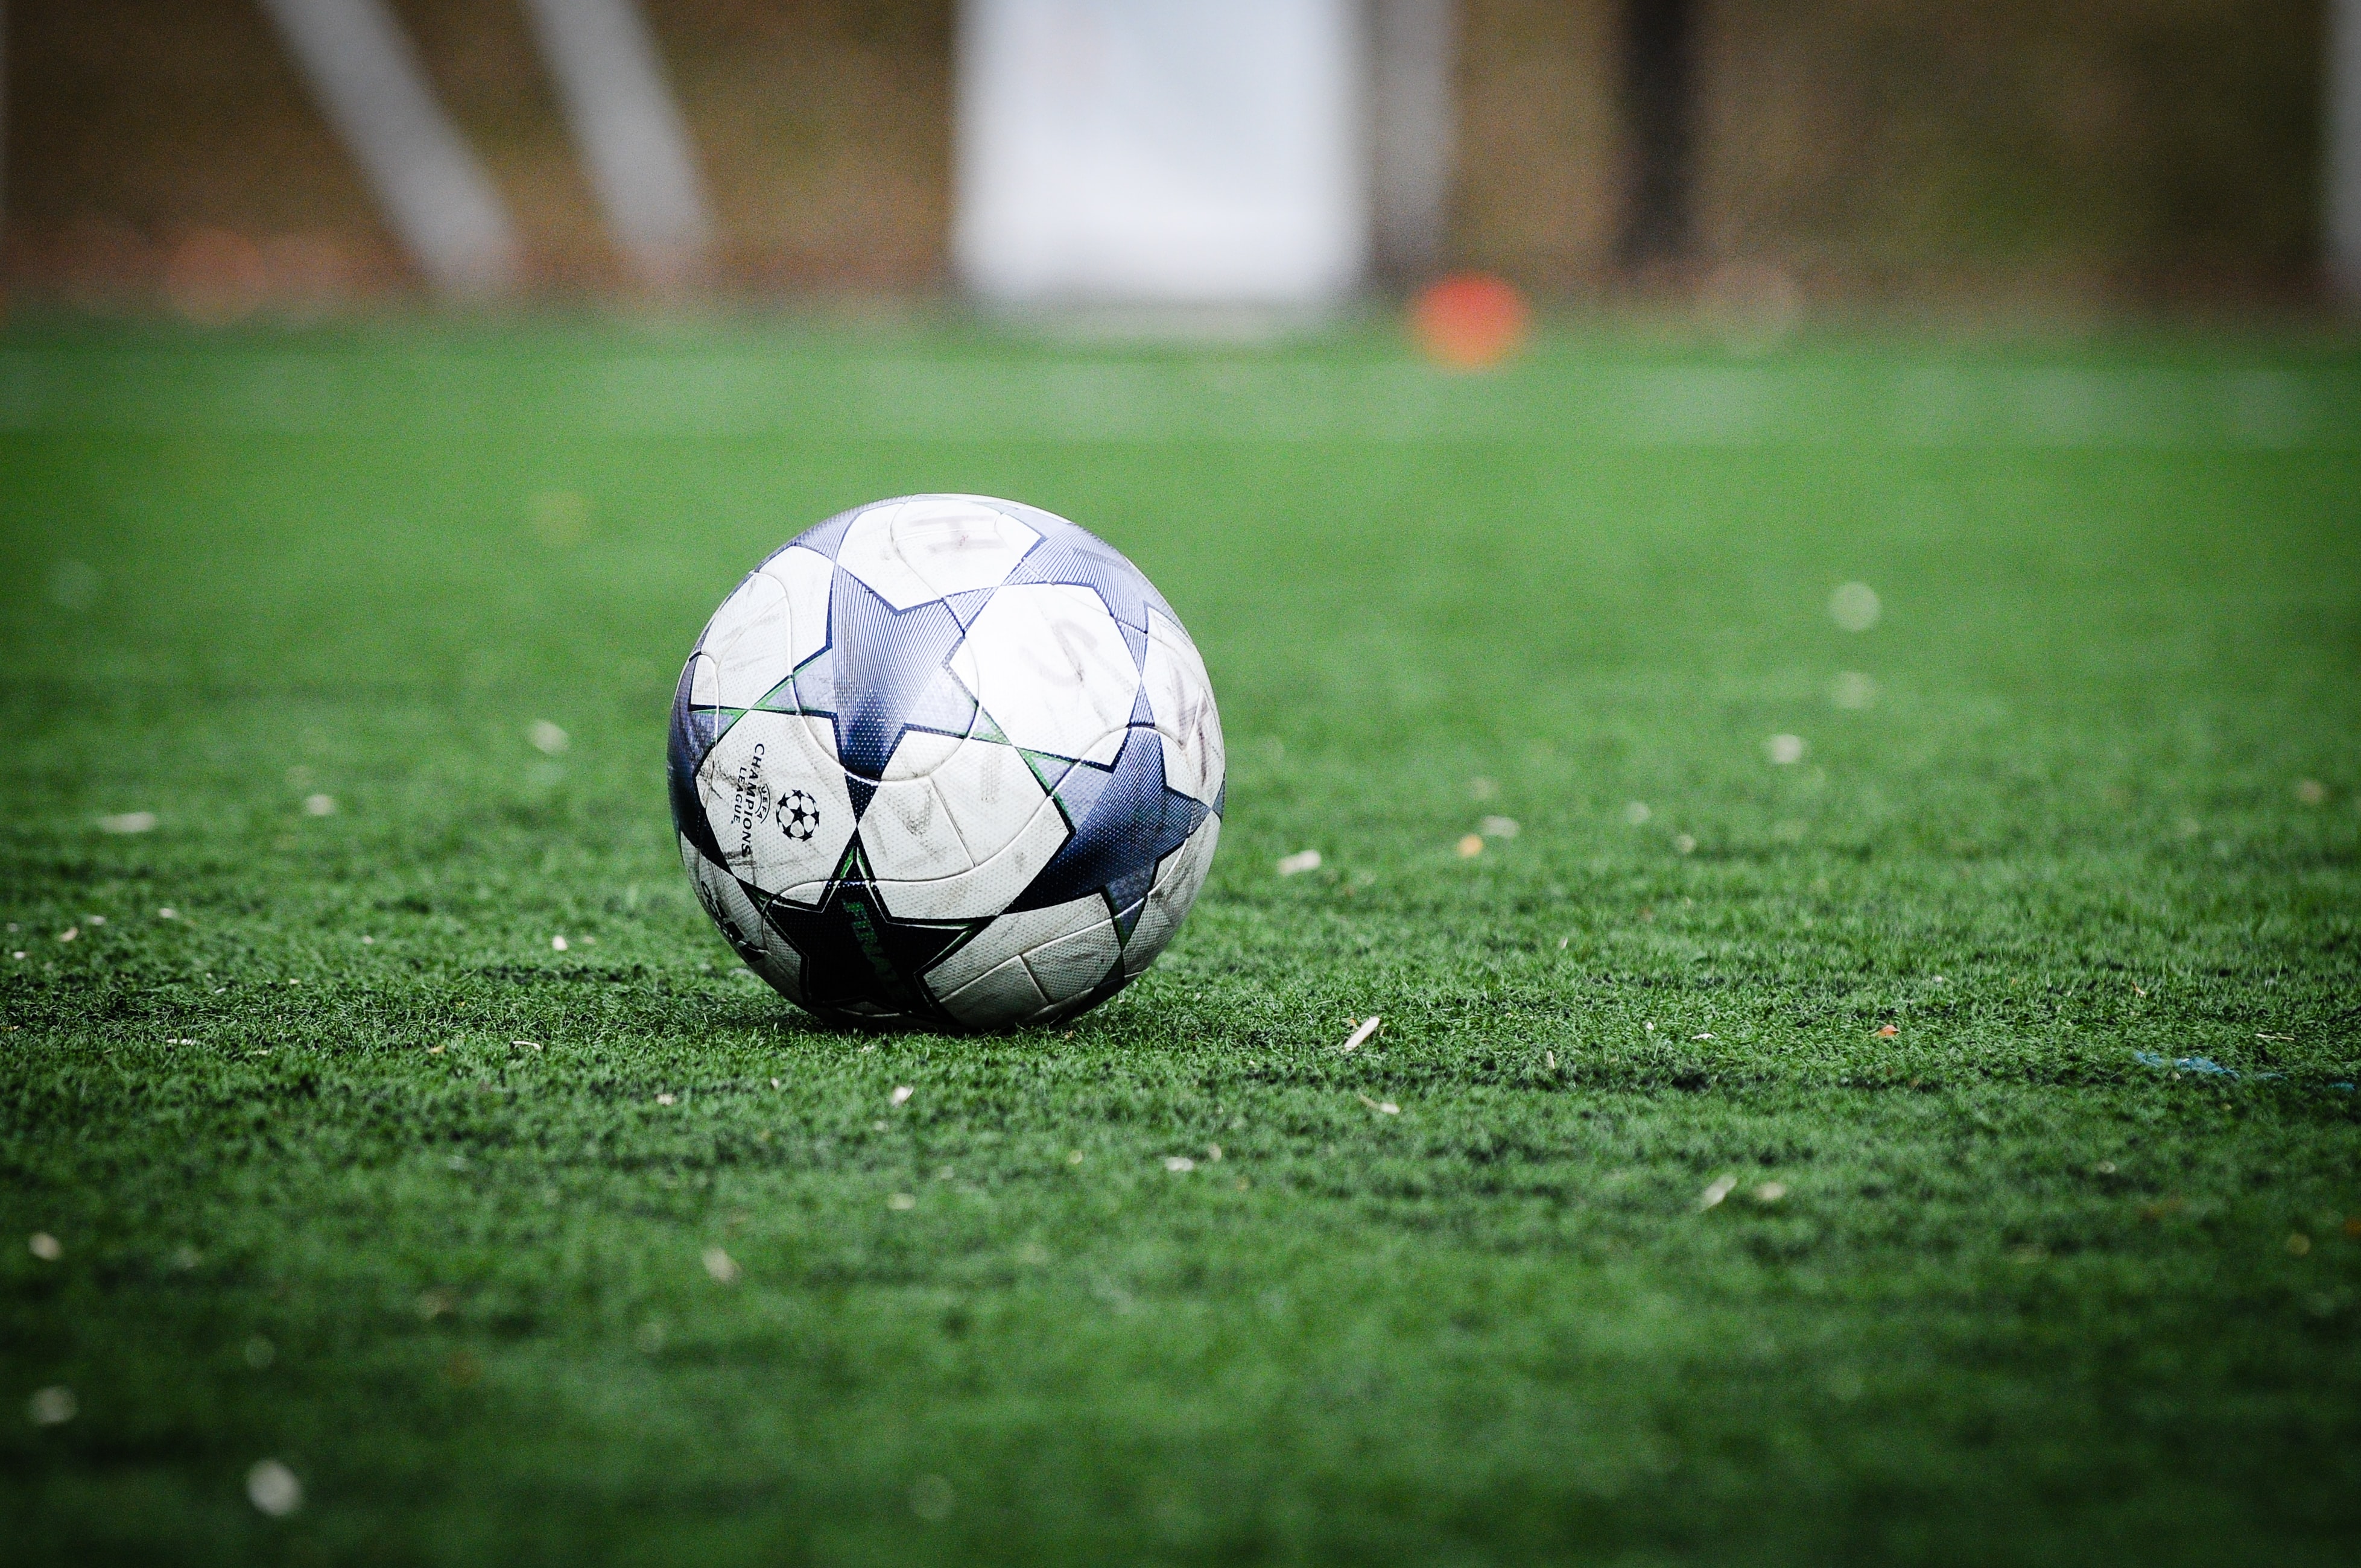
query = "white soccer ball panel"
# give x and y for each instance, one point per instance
(991, 886)
(1183, 697)
(1010, 937)
(807, 577)
(1049, 664)
(704, 681)
(920, 752)
(1000, 996)
(1070, 967)
(950, 803)
(909, 834)
(930, 547)
(750, 640)
(749, 934)
(1178, 881)
(776, 800)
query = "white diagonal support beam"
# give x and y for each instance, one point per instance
(629, 131)
(359, 65)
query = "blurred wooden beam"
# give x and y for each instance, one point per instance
(1658, 48)
(2343, 149)
(630, 133)
(361, 69)
(1413, 120)
(3, 126)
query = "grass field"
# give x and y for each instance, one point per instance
(2002, 1268)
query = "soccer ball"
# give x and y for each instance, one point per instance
(946, 760)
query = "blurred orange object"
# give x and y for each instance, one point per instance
(1470, 320)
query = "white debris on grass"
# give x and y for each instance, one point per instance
(1783, 749)
(1362, 1032)
(1684, 845)
(45, 1247)
(1719, 1187)
(1382, 1107)
(1852, 689)
(665, 1100)
(932, 1498)
(53, 1406)
(1179, 1164)
(1637, 813)
(901, 1095)
(319, 805)
(1855, 606)
(557, 944)
(1301, 861)
(901, 1202)
(127, 822)
(273, 1488)
(1770, 1191)
(547, 738)
(720, 1266)
(1498, 828)
(70, 933)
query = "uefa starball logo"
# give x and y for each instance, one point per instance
(799, 815)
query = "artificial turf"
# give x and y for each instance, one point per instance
(509, 1253)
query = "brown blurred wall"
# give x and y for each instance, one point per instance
(2107, 150)
(147, 139)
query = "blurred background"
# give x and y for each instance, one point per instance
(229, 159)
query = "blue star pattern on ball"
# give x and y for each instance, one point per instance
(1125, 821)
(947, 760)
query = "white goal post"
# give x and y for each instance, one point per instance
(362, 70)
(630, 133)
